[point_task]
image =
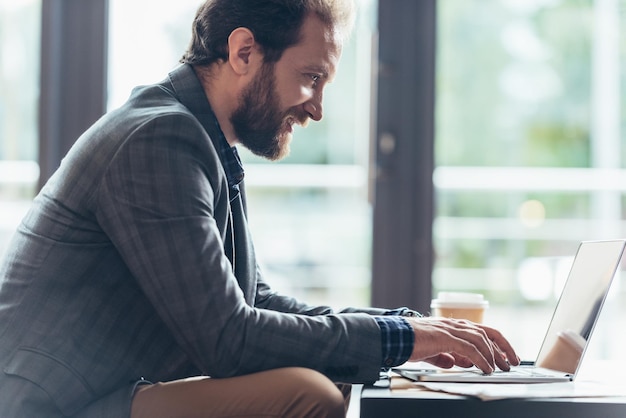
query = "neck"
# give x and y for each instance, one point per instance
(223, 100)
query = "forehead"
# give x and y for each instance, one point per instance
(319, 47)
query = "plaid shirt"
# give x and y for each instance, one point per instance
(231, 161)
(396, 335)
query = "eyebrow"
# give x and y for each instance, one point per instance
(321, 69)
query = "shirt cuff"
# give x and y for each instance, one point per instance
(403, 312)
(397, 339)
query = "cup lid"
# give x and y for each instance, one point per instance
(459, 300)
(573, 338)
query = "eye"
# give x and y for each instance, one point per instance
(315, 78)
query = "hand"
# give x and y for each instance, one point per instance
(446, 342)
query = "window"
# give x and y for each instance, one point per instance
(309, 214)
(146, 40)
(528, 152)
(19, 81)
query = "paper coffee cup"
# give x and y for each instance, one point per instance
(470, 306)
(565, 354)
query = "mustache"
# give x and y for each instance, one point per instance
(297, 116)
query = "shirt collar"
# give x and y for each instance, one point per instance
(230, 160)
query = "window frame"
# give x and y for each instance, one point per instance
(73, 79)
(404, 155)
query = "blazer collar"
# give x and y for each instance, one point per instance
(188, 90)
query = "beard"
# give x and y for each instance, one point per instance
(259, 123)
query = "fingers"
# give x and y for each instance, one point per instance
(447, 360)
(445, 342)
(476, 349)
(443, 360)
(505, 354)
(461, 339)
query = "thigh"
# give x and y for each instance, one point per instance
(281, 393)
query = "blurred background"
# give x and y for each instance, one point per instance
(527, 156)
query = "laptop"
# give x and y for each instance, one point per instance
(570, 329)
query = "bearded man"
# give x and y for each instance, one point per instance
(131, 288)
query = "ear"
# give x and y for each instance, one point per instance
(241, 47)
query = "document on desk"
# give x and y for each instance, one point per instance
(495, 391)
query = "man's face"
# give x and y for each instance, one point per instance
(288, 92)
(259, 122)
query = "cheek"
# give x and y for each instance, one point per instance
(295, 98)
(293, 94)
(305, 93)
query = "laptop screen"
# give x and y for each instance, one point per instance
(579, 306)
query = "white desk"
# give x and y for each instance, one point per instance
(381, 402)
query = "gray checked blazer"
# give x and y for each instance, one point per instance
(133, 264)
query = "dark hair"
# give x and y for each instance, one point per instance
(275, 25)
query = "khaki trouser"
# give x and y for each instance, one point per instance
(281, 393)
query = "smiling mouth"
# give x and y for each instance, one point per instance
(287, 127)
(289, 122)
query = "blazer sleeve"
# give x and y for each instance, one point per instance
(157, 203)
(269, 299)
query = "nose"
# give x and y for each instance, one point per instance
(313, 108)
